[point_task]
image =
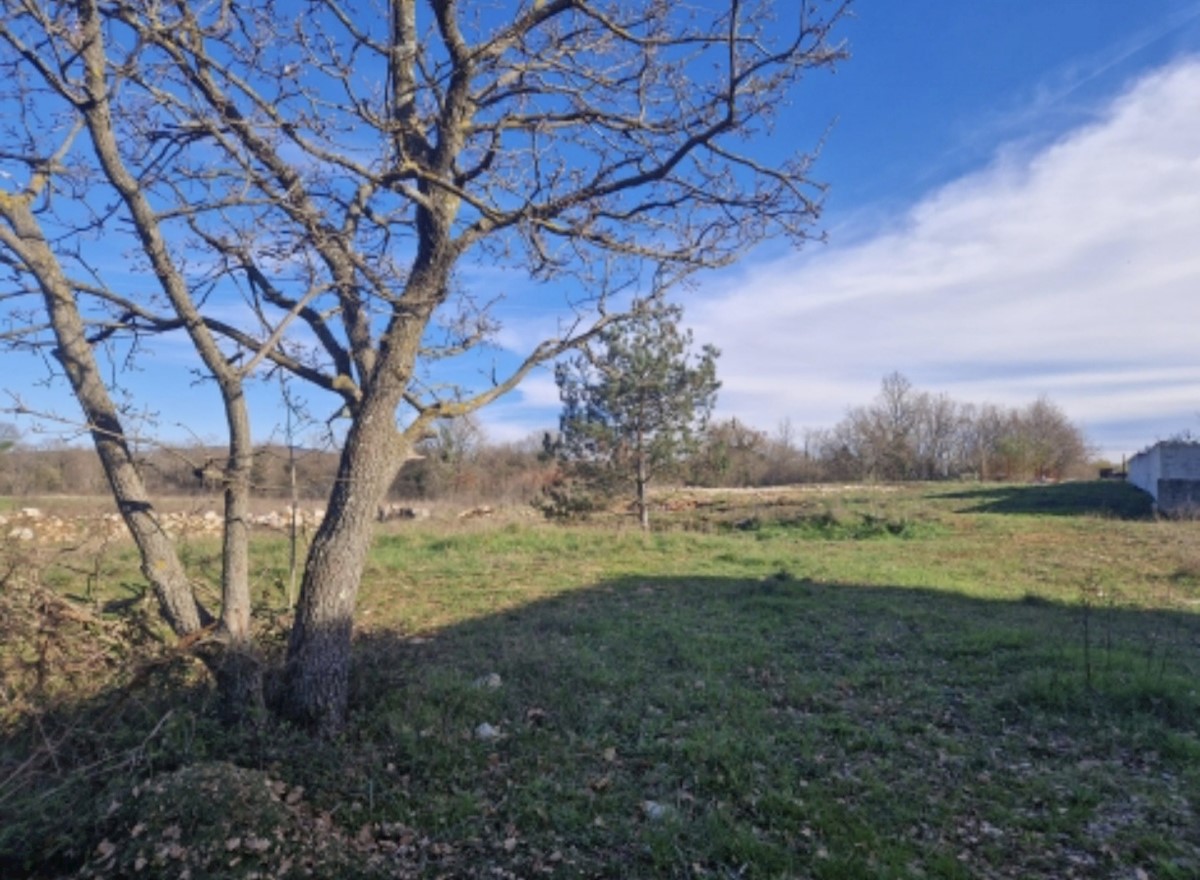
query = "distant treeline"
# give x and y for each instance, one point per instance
(907, 434)
(484, 471)
(904, 434)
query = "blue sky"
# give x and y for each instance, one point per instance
(1013, 211)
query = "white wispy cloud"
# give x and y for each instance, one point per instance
(1057, 93)
(1070, 270)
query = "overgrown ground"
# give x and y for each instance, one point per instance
(947, 681)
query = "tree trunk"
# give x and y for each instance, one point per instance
(234, 664)
(642, 504)
(160, 563)
(316, 678)
(237, 667)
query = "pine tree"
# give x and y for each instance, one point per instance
(633, 406)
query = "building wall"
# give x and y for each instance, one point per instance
(1170, 472)
(1143, 470)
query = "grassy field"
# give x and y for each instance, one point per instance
(858, 682)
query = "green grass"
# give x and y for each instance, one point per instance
(996, 686)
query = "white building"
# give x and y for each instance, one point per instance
(1170, 472)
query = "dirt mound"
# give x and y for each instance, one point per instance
(220, 820)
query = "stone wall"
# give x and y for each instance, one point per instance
(1170, 472)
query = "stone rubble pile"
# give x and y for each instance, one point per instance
(31, 524)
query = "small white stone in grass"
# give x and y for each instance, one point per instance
(654, 811)
(486, 732)
(491, 681)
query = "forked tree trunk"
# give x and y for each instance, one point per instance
(231, 656)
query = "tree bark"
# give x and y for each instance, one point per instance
(160, 563)
(238, 674)
(317, 674)
(642, 504)
(231, 656)
(237, 667)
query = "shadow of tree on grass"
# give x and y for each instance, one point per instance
(1112, 498)
(679, 727)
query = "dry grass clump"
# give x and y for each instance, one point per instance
(71, 680)
(55, 647)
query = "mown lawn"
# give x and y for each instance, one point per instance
(946, 681)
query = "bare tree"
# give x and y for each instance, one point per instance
(983, 429)
(911, 434)
(939, 431)
(306, 187)
(1051, 444)
(880, 438)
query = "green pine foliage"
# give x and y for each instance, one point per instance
(634, 406)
